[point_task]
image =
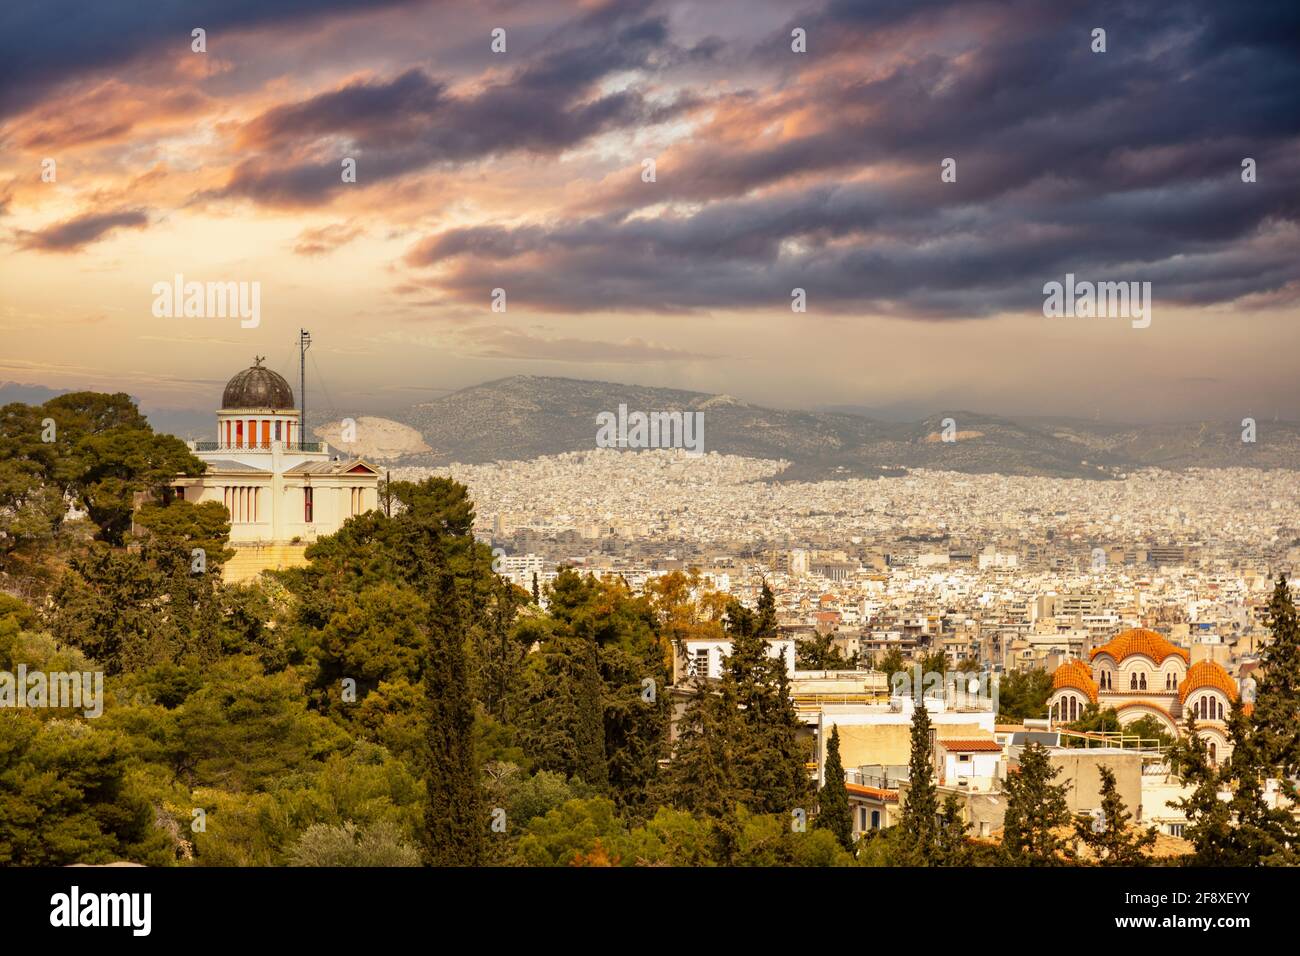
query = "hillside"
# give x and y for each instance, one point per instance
(525, 417)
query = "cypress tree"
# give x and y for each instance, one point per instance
(765, 616)
(1277, 701)
(833, 811)
(589, 725)
(1036, 807)
(455, 825)
(1113, 844)
(701, 776)
(920, 813)
(953, 850)
(770, 757)
(562, 724)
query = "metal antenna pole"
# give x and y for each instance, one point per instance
(304, 343)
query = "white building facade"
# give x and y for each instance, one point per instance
(282, 492)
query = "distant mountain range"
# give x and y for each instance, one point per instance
(525, 417)
(528, 416)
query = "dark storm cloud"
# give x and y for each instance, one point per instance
(44, 44)
(884, 247)
(1124, 165)
(72, 234)
(413, 121)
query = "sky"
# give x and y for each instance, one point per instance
(774, 169)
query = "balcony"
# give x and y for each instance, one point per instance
(308, 447)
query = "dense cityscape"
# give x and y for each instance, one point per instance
(964, 560)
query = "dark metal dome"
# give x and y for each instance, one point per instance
(257, 387)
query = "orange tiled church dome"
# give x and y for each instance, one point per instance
(1074, 673)
(1140, 641)
(1207, 674)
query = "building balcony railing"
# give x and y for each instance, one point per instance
(290, 446)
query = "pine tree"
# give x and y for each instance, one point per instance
(1277, 701)
(1262, 835)
(1209, 819)
(1242, 830)
(833, 811)
(921, 811)
(455, 824)
(1036, 807)
(537, 593)
(1113, 843)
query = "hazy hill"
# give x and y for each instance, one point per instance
(526, 416)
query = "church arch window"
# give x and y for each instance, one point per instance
(1142, 682)
(1133, 682)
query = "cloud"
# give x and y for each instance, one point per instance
(1123, 165)
(316, 242)
(414, 121)
(80, 231)
(52, 42)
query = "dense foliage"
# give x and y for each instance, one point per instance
(395, 702)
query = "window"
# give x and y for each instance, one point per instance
(875, 819)
(1133, 682)
(266, 433)
(700, 663)
(1176, 829)
(1143, 682)
(277, 430)
(307, 504)
(239, 434)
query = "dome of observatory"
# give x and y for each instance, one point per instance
(257, 387)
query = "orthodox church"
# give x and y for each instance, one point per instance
(1139, 673)
(282, 491)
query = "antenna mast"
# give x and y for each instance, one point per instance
(304, 343)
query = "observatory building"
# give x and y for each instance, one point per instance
(282, 491)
